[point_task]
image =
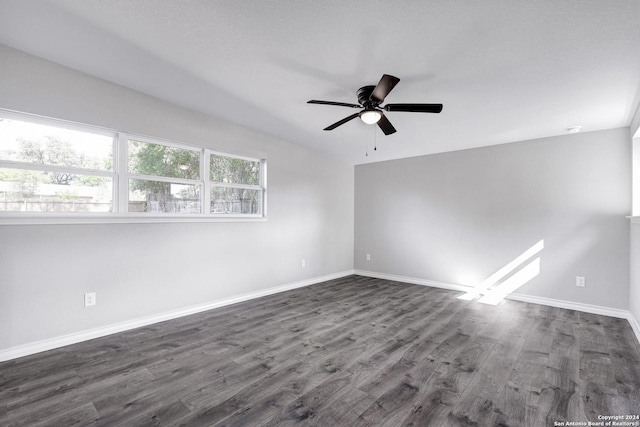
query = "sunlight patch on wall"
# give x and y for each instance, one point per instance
(495, 287)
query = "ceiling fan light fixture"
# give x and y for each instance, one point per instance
(370, 117)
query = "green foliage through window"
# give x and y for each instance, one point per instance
(232, 170)
(161, 160)
(235, 187)
(51, 169)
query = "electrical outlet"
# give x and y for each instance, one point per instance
(368, 257)
(89, 299)
(303, 264)
(580, 281)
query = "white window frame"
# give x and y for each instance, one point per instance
(260, 187)
(123, 171)
(120, 182)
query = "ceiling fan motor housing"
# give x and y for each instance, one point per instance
(364, 96)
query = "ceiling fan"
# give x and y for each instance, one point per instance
(370, 98)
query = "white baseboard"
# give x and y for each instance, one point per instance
(634, 325)
(414, 281)
(61, 341)
(570, 305)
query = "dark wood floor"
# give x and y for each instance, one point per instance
(350, 352)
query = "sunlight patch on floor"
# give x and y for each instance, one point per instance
(493, 289)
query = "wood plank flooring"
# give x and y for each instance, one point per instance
(350, 352)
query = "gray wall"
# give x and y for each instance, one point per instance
(459, 217)
(140, 270)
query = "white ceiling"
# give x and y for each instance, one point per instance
(505, 70)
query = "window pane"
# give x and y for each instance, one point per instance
(234, 171)
(35, 191)
(163, 197)
(160, 160)
(33, 143)
(225, 200)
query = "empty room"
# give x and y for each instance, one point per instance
(323, 213)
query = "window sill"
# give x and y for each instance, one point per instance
(36, 219)
(634, 219)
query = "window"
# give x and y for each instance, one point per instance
(236, 186)
(163, 179)
(52, 168)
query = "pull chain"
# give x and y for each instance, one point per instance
(375, 139)
(366, 142)
(366, 139)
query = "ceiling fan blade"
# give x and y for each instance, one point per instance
(341, 122)
(386, 126)
(339, 104)
(383, 88)
(414, 108)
